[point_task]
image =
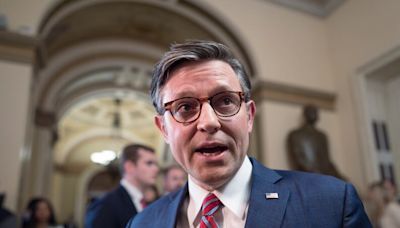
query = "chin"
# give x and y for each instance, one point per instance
(216, 179)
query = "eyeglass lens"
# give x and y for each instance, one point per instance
(188, 109)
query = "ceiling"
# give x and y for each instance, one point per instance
(90, 127)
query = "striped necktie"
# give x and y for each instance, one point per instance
(210, 205)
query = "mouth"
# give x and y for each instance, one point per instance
(211, 149)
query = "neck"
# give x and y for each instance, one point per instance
(135, 183)
(42, 225)
(211, 186)
(308, 124)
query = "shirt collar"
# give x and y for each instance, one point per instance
(234, 195)
(134, 193)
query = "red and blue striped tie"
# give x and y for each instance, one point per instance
(210, 205)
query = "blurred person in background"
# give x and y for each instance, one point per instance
(391, 212)
(375, 204)
(174, 178)
(39, 214)
(139, 170)
(150, 195)
(7, 218)
(381, 205)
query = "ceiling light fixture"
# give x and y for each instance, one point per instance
(104, 157)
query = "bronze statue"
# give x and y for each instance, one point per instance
(308, 146)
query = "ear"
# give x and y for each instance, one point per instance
(251, 113)
(160, 123)
(128, 167)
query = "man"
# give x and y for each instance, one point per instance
(202, 96)
(139, 169)
(174, 178)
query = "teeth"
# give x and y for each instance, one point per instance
(210, 154)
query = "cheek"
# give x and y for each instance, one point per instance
(238, 133)
(178, 155)
(173, 132)
(179, 139)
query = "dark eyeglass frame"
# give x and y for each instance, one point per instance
(168, 105)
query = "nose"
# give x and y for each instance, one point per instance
(156, 168)
(208, 121)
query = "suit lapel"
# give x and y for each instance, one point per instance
(265, 212)
(262, 212)
(174, 207)
(126, 200)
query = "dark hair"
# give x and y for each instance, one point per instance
(194, 51)
(32, 207)
(131, 153)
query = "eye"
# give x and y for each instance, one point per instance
(185, 106)
(151, 163)
(224, 100)
(226, 103)
(227, 100)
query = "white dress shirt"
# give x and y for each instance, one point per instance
(234, 196)
(135, 194)
(391, 215)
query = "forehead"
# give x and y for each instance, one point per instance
(42, 204)
(200, 79)
(175, 171)
(145, 154)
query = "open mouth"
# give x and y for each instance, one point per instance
(211, 151)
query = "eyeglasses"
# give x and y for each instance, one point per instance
(188, 109)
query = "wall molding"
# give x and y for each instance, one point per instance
(320, 8)
(20, 48)
(273, 91)
(16, 47)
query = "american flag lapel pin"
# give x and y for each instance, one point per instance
(271, 195)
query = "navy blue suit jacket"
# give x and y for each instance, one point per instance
(113, 210)
(305, 200)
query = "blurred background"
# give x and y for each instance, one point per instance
(74, 79)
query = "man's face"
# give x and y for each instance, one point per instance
(145, 170)
(211, 149)
(174, 179)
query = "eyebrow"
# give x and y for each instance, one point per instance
(188, 93)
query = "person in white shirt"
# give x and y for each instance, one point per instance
(391, 211)
(139, 168)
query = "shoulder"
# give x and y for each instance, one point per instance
(112, 210)
(158, 207)
(111, 198)
(316, 186)
(308, 186)
(161, 212)
(393, 208)
(117, 193)
(316, 191)
(7, 219)
(297, 179)
(304, 179)
(4, 213)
